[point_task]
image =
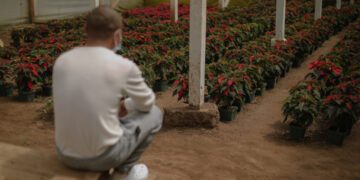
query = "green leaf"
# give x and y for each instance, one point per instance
(301, 106)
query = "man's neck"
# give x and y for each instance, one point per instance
(93, 43)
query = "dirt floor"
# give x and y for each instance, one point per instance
(254, 146)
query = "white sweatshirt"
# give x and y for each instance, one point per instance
(88, 83)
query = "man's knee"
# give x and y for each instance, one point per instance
(157, 116)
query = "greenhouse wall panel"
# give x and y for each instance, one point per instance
(17, 11)
(51, 9)
(14, 11)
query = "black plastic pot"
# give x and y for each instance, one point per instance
(288, 68)
(160, 86)
(283, 73)
(260, 91)
(249, 98)
(47, 91)
(227, 113)
(336, 137)
(206, 98)
(296, 131)
(271, 83)
(345, 124)
(349, 130)
(296, 63)
(27, 96)
(239, 106)
(6, 90)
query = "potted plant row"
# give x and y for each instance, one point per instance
(335, 79)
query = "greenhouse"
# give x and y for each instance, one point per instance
(179, 89)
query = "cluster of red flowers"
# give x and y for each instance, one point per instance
(161, 11)
(342, 99)
(321, 65)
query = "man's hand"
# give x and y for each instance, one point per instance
(122, 110)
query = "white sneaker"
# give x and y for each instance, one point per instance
(138, 172)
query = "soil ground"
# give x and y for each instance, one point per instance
(254, 146)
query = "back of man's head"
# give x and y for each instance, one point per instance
(102, 22)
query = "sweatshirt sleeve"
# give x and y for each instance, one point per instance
(141, 97)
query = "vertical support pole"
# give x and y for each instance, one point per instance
(197, 52)
(351, 2)
(31, 11)
(221, 4)
(227, 2)
(174, 12)
(280, 22)
(338, 4)
(115, 3)
(318, 9)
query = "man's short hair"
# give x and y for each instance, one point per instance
(102, 22)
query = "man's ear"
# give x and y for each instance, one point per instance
(118, 35)
(112, 41)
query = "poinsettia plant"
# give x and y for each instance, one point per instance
(325, 70)
(8, 52)
(302, 106)
(220, 67)
(182, 87)
(247, 77)
(46, 69)
(245, 85)
(304, 103)
(164, 67)
(343, 53)
(30, 34)
(181, 59)
(224, 90)
(16, 36)
(5, 71)
(148, 74)
(256, 80)
(341, 110)
(269, 65)
(27, 75)
(315, 87)
(43, 32)
(215, 48)
(286, 52)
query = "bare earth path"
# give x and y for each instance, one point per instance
(251, 147)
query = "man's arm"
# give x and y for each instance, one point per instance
(141, 97)
(122, 109)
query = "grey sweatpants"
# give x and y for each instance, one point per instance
(139, 130)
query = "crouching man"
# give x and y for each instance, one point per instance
(93, 129)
